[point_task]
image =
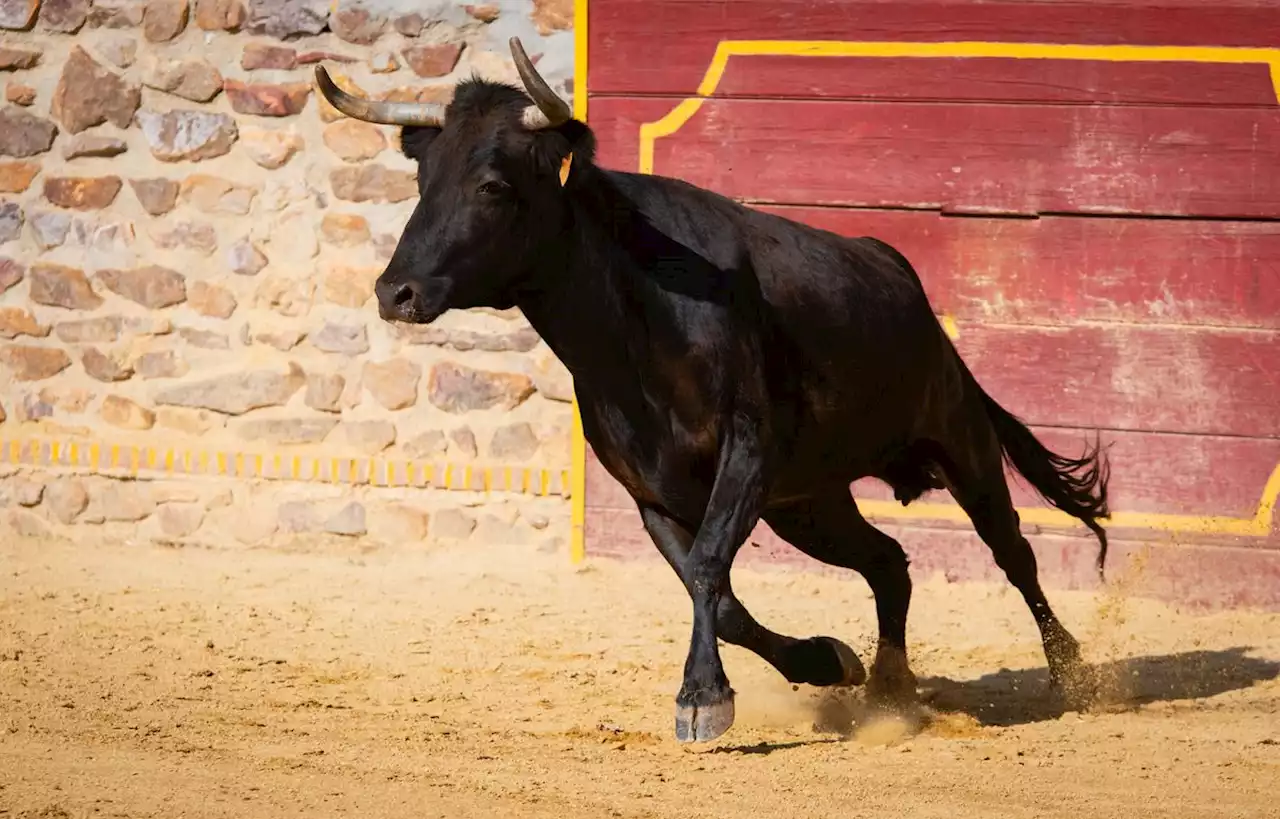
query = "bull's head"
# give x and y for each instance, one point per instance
(491, 171)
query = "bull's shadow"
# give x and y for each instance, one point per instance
(1008, 698)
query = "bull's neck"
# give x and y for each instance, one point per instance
(588, 299)
(580, 314)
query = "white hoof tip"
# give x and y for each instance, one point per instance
(703, 723)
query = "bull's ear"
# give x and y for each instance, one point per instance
(415, 140)
(553, 145)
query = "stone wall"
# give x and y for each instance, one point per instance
(189, 237)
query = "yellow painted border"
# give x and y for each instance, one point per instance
(107, 458)
(650, 132)
(578, 454)
(1259, 525)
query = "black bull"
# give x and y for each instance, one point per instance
(730, 366)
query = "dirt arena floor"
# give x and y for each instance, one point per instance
(147, 682)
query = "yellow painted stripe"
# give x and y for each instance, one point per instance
(984, 49)
(578, 444)
(108, 457)
(580, 60)
(675, 119)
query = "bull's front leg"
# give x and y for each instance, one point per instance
(704, 706)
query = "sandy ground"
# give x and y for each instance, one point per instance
(140, 682)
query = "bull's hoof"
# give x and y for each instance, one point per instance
(892, 685)
(822, 662)
(1074, 683)
(852, 672)
(703, 723)
(1071, 680)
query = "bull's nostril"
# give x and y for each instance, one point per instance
(403, 295)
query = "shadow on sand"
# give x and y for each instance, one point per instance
(1009, 698)
(1020, 697)
(766, 748)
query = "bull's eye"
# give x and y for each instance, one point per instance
(493, 188)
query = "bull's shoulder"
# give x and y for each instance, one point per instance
(688, 236)
(699, 218)
(710, 221)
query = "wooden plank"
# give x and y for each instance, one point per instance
(998, 80)
(1191, 475)
(1065, 269)
(633, 51)
(616, 124)
(1124, 376)
(1026, 270)
(1201, 576)
(1022, 159)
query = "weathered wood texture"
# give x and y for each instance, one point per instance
(1105, 236)
(1124, 376)
(664, 46)
(1056, 270)
(999, 80)
(978, 158)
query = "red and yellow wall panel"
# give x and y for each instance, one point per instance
(1090, 192)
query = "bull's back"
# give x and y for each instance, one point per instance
(848, 314)
(853, 306)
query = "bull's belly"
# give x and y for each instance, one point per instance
(837, 450)
(856, 440)
(803, 478)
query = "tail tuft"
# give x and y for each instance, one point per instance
(1077, 486)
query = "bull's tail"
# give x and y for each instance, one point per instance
(1077, 486)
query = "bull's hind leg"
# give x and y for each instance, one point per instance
(975, 473)
(830, 528)
(817, 661)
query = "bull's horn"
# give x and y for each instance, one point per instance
(386, 113)
(549, 109)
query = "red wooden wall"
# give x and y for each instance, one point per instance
(1102, 225)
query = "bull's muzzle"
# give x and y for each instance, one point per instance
(405, 301)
